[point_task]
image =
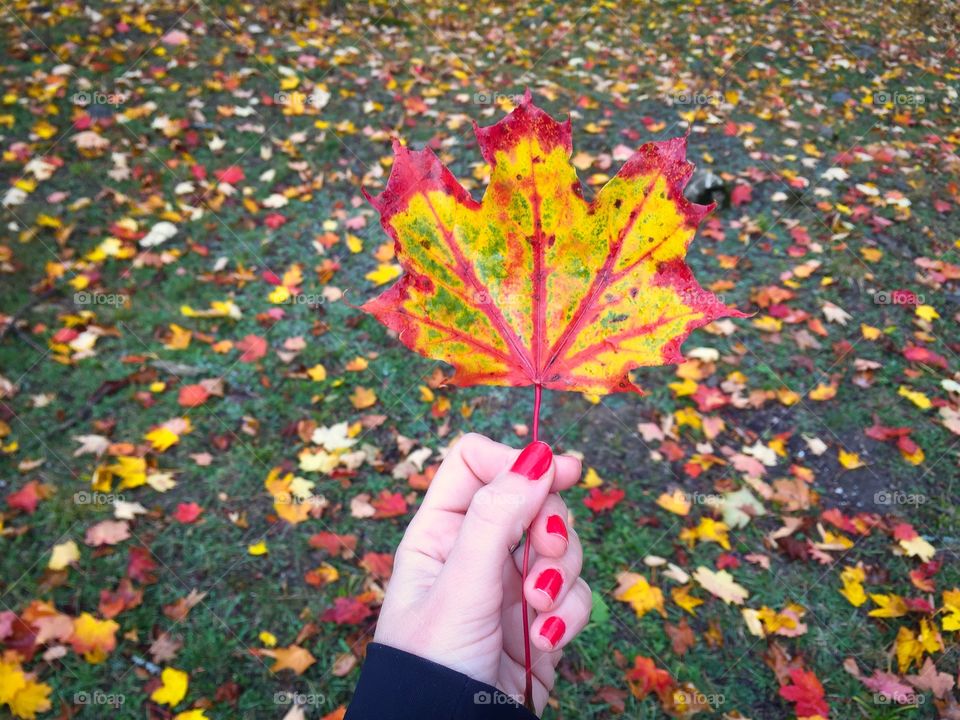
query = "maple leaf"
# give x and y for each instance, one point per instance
(93, 638)
(645, 677)
(173, 687)
(807, 692)
(346, 611)
(534, 285)
(929, 678)
(293, 658)
(634, 589)
(599, 500)
(721, 584)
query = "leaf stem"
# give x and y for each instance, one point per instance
(527, 663)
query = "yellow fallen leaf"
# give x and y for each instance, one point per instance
(916, 397)
(919, 548)
(363, 398)
(257, 549)
(93, 638)
(318, 373)
(852, 579)
(591, 479)
(888, 606)
(191, 715)
(675, 502)
(385, 272)
(173, 688)
(849, 460)
(639, 594)
(63, 555)
(30, 699)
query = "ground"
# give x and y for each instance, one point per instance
(185, 248)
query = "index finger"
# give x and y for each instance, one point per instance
(476, 460)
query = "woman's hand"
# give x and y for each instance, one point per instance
(454, 597)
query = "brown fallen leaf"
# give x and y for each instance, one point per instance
(681, 636)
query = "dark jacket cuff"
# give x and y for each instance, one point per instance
(396, 685)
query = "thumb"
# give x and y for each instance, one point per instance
(498, 514)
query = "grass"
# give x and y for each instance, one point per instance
(253, 427)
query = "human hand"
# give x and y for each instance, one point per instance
(454, 596)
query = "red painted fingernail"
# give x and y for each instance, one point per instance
(553, 629)
(556, 526)
(534, 461)
(550, 581)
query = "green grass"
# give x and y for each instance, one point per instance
(246, 595)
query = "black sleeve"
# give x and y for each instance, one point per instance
(395, 685)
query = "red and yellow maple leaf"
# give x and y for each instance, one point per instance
(534, 285)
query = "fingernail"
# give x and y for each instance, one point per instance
(534, 461)
(550, 581)
(556, 526)
(553, 629)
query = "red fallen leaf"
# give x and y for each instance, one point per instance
(199, 172)
(672, 450)
(806, 692)
(645, 677)
(140, 565)
(709, 399)
(389, 505)
(333, 543)
(379, 565)
(274, 220)
(271, 277)
(598, 500)
(922, 577)
(21, 637)
(346, 611)
(124, 598)
(726, 560)
(192, 395)
(839, 520)
(187, 513)
(27, 497)
(904, 531)
(252, 347)
(884, 433)
(231, 175)
(741, 195)
(915, 353)
(919, 605)
(906, 445)
(65, 335)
